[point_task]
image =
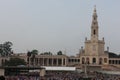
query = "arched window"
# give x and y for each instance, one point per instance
(105, 60)
(110, 61)
(94, 60)
(94, 32)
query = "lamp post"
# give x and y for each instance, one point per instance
(85, 65)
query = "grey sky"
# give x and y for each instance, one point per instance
(53, 25)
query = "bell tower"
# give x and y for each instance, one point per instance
(94, 26)
(94, 48)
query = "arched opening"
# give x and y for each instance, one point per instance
(105, 60)
(94, 60)
(100, 61)
(94, 32)
(83, 60)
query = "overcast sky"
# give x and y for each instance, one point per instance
(53, 25)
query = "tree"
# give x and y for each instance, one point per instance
(28, 57)
(5, 49)
(59, 53)
(15, 62)
(33, 53)
(46, 53)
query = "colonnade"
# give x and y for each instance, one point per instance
(44, 61)
(115, 62)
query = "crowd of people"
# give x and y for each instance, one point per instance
(22, 78)
(81, 76)
(66, 76)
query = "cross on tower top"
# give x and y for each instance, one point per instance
(94, 8)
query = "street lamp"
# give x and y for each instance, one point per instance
(85, 65)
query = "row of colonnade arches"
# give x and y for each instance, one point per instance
(94, 60)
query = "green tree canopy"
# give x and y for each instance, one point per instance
(46, 53)
(31, 56)
(59, 53)
(5, 49)
(35, 52)
(15, 62)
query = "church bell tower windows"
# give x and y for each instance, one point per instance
(94, 32)
(94, 26)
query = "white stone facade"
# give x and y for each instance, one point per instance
(94, 48)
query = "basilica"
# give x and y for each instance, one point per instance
(93, 54)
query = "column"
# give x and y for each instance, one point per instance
(117, 62)
(62, 61)
(47, 61)
(43, 62)
(113, 61)
(52, 61)
(38, 61)
(56, 61)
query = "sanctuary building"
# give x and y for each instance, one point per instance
(94, 48)
(93, 54)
